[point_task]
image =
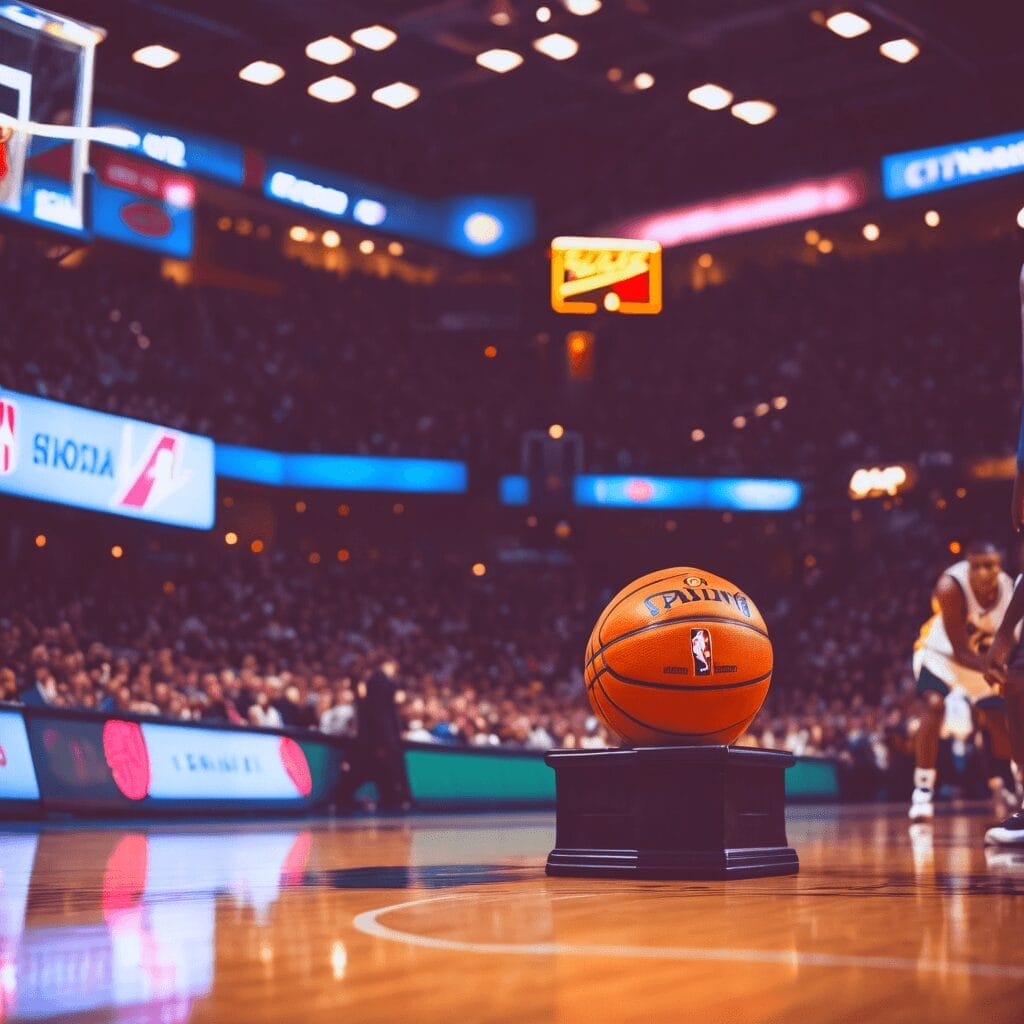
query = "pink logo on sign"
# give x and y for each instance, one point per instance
(155, 476)
(8, 436)
(640, 490)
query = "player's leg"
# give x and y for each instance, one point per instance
(932, 692)
(990, 716)
(1011, 831)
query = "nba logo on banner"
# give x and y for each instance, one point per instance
(8, 436)
(700, 644)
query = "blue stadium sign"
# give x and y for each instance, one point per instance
(60, 453)
(727, 493)
(928, 170)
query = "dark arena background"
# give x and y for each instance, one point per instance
(353, 356)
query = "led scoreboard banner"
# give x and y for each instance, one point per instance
(623, 274)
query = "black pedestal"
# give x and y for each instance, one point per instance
(671, 812)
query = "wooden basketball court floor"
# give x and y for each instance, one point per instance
(452, 919)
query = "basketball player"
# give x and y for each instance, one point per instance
(1006, 668)
(970, 600)
(1017, 501)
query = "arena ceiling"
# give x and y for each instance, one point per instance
(584, 146)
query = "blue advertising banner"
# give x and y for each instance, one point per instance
(738, 494)
(342, 472)
(61, 453)
(17, 773)
(960, 163)
(477, 225)
(187, 151)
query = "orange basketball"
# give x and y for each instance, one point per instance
(678, 656)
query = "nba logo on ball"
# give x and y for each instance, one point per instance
(700, 644)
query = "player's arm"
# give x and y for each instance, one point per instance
(1005, 639)
(953, 606)
(1017, 501)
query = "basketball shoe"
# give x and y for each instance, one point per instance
(922, 806)
(1007, 833)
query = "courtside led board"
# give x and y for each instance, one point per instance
(621, 275)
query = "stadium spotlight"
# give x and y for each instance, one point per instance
(780, 402)
(374, 37)
(812, 237)
(329, 50)
(543, 15)
(870, 232)
(704, 260)
(739, 422)
(825, 246)
(932, 218)
(479, 569)
(366, 246)
(332, 89)
(556, 431)
(482, 228)
(848, 25)
(261, 72)
(331, 239)
(582, 7)
(396, 248)
(156, 56)
(762, 409)
(396, 95)
(697, 434)
(1020, 217)
(754, 111)
(557, 46)
(41, 540)
(710, 96)
(643, 81)
(903, 51)
(501, 13)
(501, 61)
(117, 551)
(297, 233)
(231, 538)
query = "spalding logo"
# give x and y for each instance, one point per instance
(147, 219)
(663, 601)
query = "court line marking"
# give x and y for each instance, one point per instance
(369, 924)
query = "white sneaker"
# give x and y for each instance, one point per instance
(1007, 833)
(921, 806)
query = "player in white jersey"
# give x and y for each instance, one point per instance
(970, 600)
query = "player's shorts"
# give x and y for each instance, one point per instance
(979, 693)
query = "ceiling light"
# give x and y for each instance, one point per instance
(903, 51)
(754, 111)
(644, 80)
(848, 25)
(543, 14)
(556, 46)
(483, 228)
(332, 89)
(299, 234)
(329, 50)
(710, 96)
(501, 13)
(396, 95)
(331, 239)
(375, 37)
(870, 232)
(582, 7)
(932, 218)
(156, 56)
(261, 72)
(499, 60)
(366, 246)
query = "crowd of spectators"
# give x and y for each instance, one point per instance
(273, 641)
(869, 355)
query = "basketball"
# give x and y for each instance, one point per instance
(680, 656)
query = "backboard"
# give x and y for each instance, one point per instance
(46, 72)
